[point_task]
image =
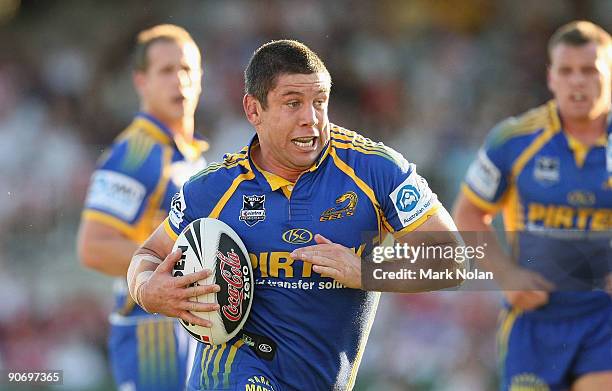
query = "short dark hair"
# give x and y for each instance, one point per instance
(274, 59)
(578, 33)
(159, 33)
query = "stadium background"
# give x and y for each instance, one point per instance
(429, 78)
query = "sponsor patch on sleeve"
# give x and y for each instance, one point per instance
(483, 176)
(177, 209)
(412, 199)
(116, 194)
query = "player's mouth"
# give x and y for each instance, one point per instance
(305, 143)
(577, 97)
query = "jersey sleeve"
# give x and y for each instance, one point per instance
(196, 199)
(122, 186)
(486, 180)
(180, 215)
(405, 197)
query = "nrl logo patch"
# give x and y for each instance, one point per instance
(253, 210)
(346, 207)
(546, 170)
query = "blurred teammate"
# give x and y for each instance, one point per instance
(301, 181)
(130, 194)
(550, 171)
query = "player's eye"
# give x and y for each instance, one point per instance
(319, 103)
(167, 70)
(293, 104)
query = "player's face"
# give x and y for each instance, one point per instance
(171, 85)
(579, 78)
(294, 127)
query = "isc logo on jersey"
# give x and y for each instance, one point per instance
(212, 244)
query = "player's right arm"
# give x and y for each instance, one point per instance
(525, 289)
(153, 287)
(115, 216)
(104, 248)
(479, 200)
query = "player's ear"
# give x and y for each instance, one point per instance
(252, 109)
(548, 78)
(138, 78)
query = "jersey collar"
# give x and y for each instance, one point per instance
(155, 127)
(272, 181)
(159, 131)
(579, 149)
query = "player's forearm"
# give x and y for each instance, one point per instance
(110, 256)
(431, 256)
(477, 231)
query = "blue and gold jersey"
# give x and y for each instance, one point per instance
(555, 194)
(134, 182)
(319, 327)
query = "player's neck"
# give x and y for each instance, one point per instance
(183, 129)
(270, 165)
(586, 131)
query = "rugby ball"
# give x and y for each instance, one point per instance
(211, 244)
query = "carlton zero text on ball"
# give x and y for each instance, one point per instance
(211, 244)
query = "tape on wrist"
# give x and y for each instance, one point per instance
(141, 279)
(135, 266)
(146, 257)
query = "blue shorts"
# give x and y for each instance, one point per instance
(543, 353)
(230, 367)
(151, 355)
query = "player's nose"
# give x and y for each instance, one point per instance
(308, 116)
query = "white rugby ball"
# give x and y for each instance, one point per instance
(211, 244)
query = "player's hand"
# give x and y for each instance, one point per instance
(526, 300)
(170, 296)
(525, 289)
(609, 284)
(332, 260)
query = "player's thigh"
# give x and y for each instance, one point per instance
(254, 381)
(123, 357)
(230, 367)
(246, 379)
(531, 354)
(147, 356)
(593, 381)
(593, 364)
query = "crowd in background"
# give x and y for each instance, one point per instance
(428, 78)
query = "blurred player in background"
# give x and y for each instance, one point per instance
(550, 171)
(130, 194)
(310, 318)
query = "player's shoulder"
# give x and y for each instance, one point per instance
(218, 176)
(523, 128)
(357, 150)
(134, 149)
